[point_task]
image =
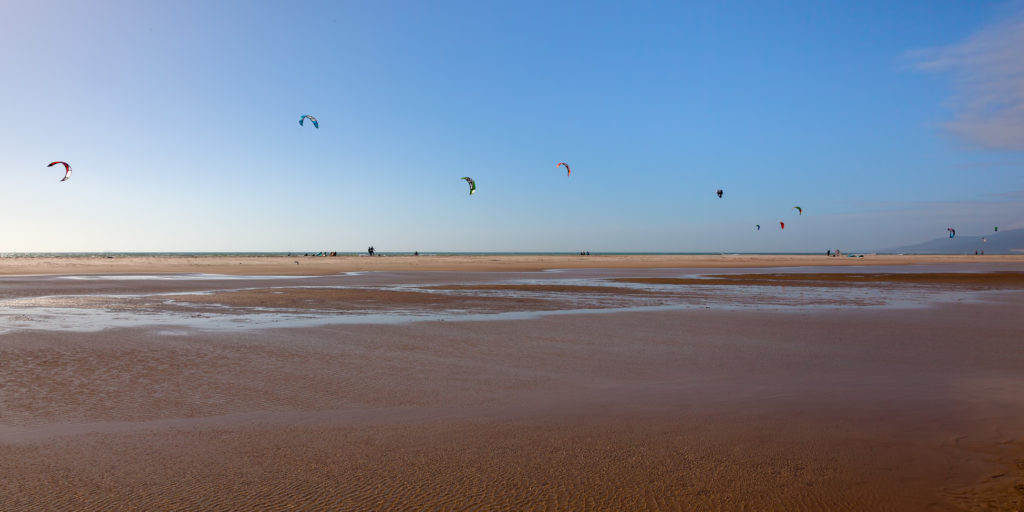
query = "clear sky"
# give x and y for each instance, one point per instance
(886, 121)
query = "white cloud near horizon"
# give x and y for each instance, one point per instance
(988, 74)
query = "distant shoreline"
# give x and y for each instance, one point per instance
(247, 254)
(219, 263)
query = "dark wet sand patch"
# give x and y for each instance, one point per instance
(992, 280)
(357, 299)
(548, 288)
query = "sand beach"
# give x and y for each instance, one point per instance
(491, 383)
(312, 265)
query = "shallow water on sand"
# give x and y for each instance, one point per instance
(85, 303)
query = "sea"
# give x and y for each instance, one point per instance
(361, 253)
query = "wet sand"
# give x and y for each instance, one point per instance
(300, 265)
(955, 280)
(846, 408)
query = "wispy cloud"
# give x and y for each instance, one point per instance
(1015, 194)
(989, 165)
(1009, 203)
(988, 73)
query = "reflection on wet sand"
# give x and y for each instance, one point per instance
(238, 301)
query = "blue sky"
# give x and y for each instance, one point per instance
(886, 123)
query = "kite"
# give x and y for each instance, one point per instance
(782, 225)
(758, 227)
(952, 232)
(311, 118)
(567, 171)
(472, 184)
(67, 169)
(996, 228)
(719, 192)
(799, 210)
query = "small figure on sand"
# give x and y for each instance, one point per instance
(370, 250)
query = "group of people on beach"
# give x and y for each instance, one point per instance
(373, 252)
(370, 250)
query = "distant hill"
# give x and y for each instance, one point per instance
(997, 242)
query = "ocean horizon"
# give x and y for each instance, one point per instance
(193, 254)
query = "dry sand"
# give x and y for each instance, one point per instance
(798, 409)
(299, 265)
